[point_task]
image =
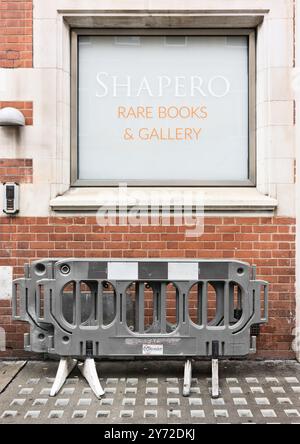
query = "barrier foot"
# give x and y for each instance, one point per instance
(215, 392)
(187, 380)
(89, 371)
(65, 367)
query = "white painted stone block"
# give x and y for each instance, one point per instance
(282, 171)
(6, 275)
(282, 113)
(275, 113)
(274, 84)
(44, 50)
(280, 40)
(286, 199)
(3, 80)
(282, 143)
(2, 339)
(35, 199)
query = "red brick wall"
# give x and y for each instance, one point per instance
(25, 107)
(16, 34)
(16, 170)
(267, 242)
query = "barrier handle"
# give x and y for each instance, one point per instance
(19, 305)
(43, 305)
(260, 302)
(265, 302)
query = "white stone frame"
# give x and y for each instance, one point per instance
(250, 33)
(268, 110)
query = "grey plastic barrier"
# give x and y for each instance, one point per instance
(88, 308)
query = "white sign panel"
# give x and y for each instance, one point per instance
(6, 276)
(163, 108)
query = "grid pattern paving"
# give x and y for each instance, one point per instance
(142, 392)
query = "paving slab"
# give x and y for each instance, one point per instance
(8, 370)
(150, 392)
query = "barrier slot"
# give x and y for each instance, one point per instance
(140, 307)
(162, 306)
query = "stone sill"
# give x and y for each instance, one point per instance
(213, 199)
(164, 19)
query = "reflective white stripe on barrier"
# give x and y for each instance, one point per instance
(122, 271)
(183, 271)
